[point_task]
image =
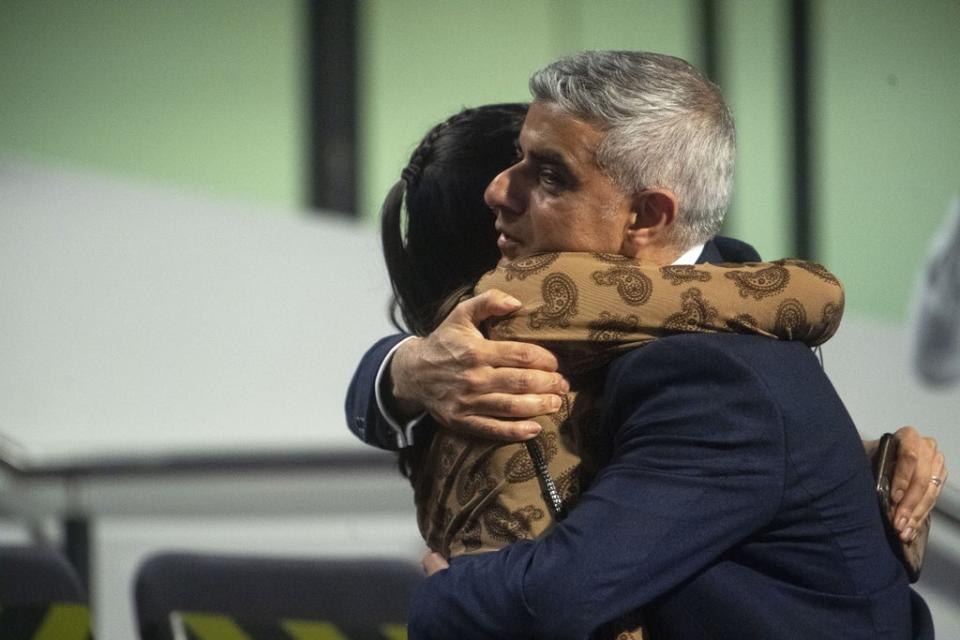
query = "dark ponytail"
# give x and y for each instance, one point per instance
(438, 234)
(446, 240)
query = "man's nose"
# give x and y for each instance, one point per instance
(498, 193)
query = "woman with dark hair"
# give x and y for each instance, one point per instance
(447, 239)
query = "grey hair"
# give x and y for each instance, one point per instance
(664, 125)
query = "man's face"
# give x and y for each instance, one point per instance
(556, 197)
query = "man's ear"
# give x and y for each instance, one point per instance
(653, 212)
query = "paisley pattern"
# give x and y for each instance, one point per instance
(612, 258)
(610, 327)
(510, 526)
(818, 270)
(476, 480)
(471, 535)
(633, 285)
(520, 466)
(760, 284)
(684, 274)
(697, 314)
(449, 452)
(521, 268)
(831, 314)
(559, 302)
(791, 318)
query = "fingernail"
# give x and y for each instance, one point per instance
(532, 428)
(564, 385)
(909, 534)
(513, 301)
(901, 523)
(897, 496)
(555, 402)
(916, 533)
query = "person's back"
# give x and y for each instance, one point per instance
(813, 562)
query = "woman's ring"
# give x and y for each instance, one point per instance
(936, 481)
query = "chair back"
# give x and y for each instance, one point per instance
(211, 597)
(41, 596)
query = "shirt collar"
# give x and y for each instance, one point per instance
(690, 255)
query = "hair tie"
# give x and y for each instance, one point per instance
(411, 174)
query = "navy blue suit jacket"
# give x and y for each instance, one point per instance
(737, 503)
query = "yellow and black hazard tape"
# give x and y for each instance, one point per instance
(56, 621)
(191, 625)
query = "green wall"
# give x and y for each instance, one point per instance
(423, 60)
(754, 63)
(209, 95)
(887, 106)
(202, 94)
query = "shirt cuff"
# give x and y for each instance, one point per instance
(403, 433)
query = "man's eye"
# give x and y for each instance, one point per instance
(550, 178)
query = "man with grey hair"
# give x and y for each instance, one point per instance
(668, 127)
(729, 506)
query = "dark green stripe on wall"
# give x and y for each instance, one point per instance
(803, 211)
(332, 105)
(710, 37)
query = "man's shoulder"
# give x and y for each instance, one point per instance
(699, 363)
(785, 375)
(707, 387)
(691, 350)
(744, 365)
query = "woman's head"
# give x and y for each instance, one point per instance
(446, 240)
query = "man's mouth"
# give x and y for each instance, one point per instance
(507, 244)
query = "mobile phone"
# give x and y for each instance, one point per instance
(883, 464)
(909, 553)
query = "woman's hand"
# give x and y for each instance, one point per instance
(433, 562)
(918, 478)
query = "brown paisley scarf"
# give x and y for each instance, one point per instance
(476, 495)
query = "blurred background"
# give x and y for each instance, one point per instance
(189, 265)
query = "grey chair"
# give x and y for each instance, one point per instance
(34, 575)
(362, 598)
(39, 589)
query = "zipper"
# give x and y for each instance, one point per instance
(549, 487)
